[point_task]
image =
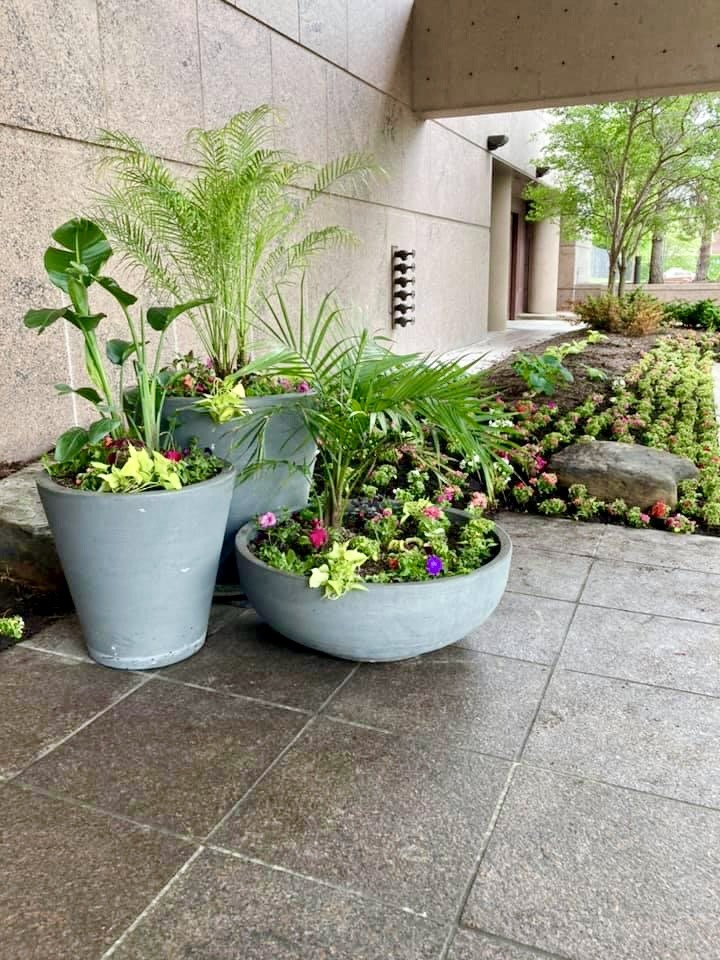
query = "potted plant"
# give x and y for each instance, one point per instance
(379, 579)
(138, 523)
(230, 233)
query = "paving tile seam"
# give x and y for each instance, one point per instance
(363, 895)
(29, 645)
(589, 778)
(155, 900)
(229, 693)
(238, 803)
(644, 613)
(413, 738)
(498, 940)
(103, 811)
(487, 653)
(470, 882)
(63, 740)
(639, 683)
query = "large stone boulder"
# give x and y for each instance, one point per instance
(28, 560)
(639, 475)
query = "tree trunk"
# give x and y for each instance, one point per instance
(657, 259)
(703, 260)
(622, 276)
(612, 271)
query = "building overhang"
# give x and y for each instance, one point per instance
(478, 56)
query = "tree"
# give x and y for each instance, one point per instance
(622, 168)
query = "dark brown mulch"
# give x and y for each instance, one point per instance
(614, 356)
(8, 467)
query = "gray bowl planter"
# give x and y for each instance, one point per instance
(287, 440)
(388, 621)
(141, 567)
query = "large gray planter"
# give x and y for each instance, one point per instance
(141, 567)
(388, 621)
(287, 442)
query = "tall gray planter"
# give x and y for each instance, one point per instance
(141, 567)
(287, 441)
(388, 621)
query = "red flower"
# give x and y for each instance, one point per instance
(318, 536)
(174, 455)
(659, 510)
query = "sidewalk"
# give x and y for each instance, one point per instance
(548, 789)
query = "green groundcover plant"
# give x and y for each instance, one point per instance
(227, 235)
(12, 628)
(665, 401)
(125, 449)
(369, 403)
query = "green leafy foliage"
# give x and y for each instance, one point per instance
(542, 373)
(12, 627)
(231, 231)
(697, 314)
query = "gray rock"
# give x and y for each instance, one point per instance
(27, 550)
(639, 475)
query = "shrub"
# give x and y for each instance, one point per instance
(698, 314)
(542, 373)
(635, 314)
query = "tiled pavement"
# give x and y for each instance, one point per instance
(550, 788)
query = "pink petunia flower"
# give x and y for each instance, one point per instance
(433, 512)
(267, 520)
(173, 455)
(303, 387)
(318, 536)
(479, 500)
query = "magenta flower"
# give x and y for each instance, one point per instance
(318, 536)
(267, 520)
(645, 518)
(173, 455)
(434, 565)
(208, 363)
(303, 387)
(479, 500)
(433, 512)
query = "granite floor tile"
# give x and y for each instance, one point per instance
(660, 549)
(64, 636)
(73, 880)
(593, 872)
(44, 698)
(649, 738)
(474, 946)
(364, 810)
(645, 648)
(530, 628)
(686, 594)
(246, 657)
(542, 574)
(224, 908)
(478, 702)
(563, 536)
(169, 755)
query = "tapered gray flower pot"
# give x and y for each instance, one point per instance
(388, 621)
(141, 567)
(287, 442)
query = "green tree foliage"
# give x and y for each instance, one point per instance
(622, 168)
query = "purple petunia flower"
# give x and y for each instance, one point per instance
(434, 565)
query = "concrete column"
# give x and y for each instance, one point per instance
(500, 236)
(544, 265)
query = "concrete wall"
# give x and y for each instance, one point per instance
(341, 71)
(471, 56)
(663, 291)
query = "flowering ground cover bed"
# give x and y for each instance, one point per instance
(664, 399)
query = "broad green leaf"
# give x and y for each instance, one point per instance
(42, 319)
(84, 243)
(87, 393)
(160, 318)
(84, 323)
(118, 351)
(115, 290)
(101, 428)
(70, 444)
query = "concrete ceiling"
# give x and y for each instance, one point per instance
(485, 56)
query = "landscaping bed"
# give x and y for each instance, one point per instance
(660, 395)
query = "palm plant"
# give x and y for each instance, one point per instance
(369, 400)
(231, 232)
